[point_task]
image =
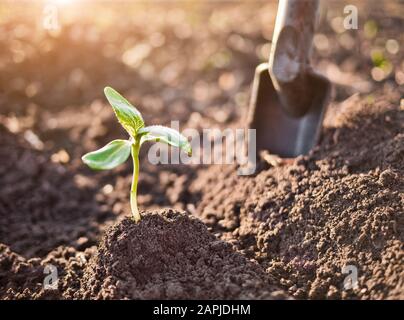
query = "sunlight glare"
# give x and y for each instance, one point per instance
(62, 2)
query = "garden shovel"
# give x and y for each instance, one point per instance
(288, 97)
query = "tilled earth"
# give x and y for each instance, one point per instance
(306, 220)
(287, 231)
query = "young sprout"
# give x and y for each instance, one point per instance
(117, 152)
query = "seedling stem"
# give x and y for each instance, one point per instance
(133, 191)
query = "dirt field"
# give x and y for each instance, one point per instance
(285, 232)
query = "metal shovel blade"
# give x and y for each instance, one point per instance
(276, 130)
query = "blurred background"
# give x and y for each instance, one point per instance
(182, 56)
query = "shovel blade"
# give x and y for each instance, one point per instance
(276, 130)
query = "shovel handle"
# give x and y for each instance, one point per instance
(289, 60)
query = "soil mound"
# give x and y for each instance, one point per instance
(170, 255)
(341, 206)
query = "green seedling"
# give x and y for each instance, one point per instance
(117, 152)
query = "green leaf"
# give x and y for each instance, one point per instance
(108, 157)
(167, 135)
(129, 117)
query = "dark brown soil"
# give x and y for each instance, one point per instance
(341, 205)
(301, 222)
(170, 255)
(42, 204)
(22, 278)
